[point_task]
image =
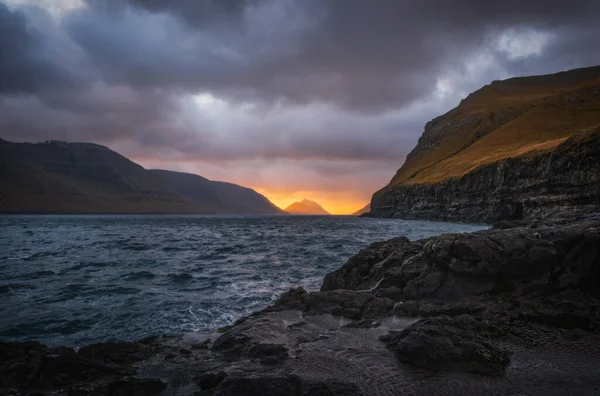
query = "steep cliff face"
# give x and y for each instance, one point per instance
(520, 148)
(563, 181)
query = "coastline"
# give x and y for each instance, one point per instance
(524, 293)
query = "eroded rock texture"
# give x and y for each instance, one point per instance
(507, 311)
(539, 185)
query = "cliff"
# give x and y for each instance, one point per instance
(516, 149)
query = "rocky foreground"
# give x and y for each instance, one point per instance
(514, 310)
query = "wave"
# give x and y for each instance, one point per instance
(92, 264)
(136, 246)
(183, 277)
(42, 254)
(138, 275)
(38, 275)
(11, 288)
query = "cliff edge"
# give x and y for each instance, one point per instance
(522, 148)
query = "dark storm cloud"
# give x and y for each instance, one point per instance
(357, 54)
(344, 80)
(24, 66)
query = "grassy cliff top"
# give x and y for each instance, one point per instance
(504, 119)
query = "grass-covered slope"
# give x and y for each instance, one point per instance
(504, 119)
(522, 148)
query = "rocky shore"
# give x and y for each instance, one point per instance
(514, 310)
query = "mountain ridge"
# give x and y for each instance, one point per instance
(217, 196)
(60, 177)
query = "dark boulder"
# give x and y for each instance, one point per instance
(284, 385)
(443, 343)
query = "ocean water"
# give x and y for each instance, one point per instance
(76, 280)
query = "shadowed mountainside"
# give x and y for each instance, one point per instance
(216, 196)
(306, 207)
(362, 210)
(502, 152)
(60, 177)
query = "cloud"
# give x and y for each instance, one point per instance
(271, 92)
(26, 65)
(368, 57)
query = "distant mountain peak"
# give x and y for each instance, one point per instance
(306, 207)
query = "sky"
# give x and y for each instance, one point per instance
(316, 99)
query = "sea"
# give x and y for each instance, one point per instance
(74, 280)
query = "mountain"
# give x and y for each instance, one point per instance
(306, 207)
(362, 210)
(519, 148)
(216, 196)
(60, 177)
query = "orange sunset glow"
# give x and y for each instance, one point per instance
(284, 183)
(334, 203)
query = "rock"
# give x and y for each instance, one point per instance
(446, 303)
(101, 368)
(444, 343)
(115, 352)
(393, 293)
(436, 307)
(363, 324)
(47, 368)
(284, 385)
(268, 353)
(512, 260)
(259, 385)
(231, 343)
(210, 380)
(294, 298)
(362, 267)
(348, 303)
(134, 387)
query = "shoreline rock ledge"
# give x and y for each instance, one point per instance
(514, 310)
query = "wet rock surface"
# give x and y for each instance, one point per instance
(507, 311)
(442, 343)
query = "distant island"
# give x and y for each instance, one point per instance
(61, 177)
(306, 207)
